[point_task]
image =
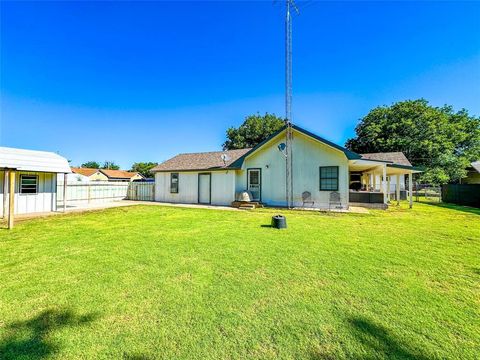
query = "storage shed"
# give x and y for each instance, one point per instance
(32, 175)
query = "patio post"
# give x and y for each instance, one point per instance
(5, 198)
(384, 183)
(410, 188)
(388, 188)
(397, 189)
(65, 192)
(11, 205)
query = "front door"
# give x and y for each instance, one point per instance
(254, 183)
(204, 188)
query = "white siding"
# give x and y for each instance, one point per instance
(222, 187)
(308, 156)
(43, 201)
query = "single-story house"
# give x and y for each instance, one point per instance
(80, 174)
(121, 175)
(473, 174)
(34, 178)
(321, 174)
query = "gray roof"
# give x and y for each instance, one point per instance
(201, 161)
(395, 157)
(31, 160)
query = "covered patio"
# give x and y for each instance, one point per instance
(375, 183)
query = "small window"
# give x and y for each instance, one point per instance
(328, 178)
(174, 183)
(28, 184)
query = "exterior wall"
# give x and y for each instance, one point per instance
(222, 187)
(98, 176)
(393, 182)
(43, 201)
(473, 177)
(308, 156)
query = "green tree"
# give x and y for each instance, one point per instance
(253, 131)
(144, 168)
(110, 165)
(91, 164)
(438, 139)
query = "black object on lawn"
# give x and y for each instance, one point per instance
(279, 222)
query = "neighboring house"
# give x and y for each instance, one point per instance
(86, 174)
(35, 179)
(121, 175)
(473, 174)
(319, 167)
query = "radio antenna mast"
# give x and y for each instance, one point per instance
(290, 5)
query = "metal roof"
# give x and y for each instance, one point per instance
(476, 165)
(31, 160)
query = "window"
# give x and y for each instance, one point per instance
(28, 184)
(328, 178)
(174, 183)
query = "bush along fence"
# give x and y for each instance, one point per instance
(462, 194)
(94, 192)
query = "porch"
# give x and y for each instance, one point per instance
(376, 184)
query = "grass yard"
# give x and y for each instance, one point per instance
(149, 282)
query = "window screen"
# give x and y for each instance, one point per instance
(174, 183)
(328, 178)
(28, 184)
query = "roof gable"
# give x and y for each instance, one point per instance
(84, 171)
(349, 154)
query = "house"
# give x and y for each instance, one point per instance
(321, 174)
(121, 175)
(473, 174)
(80, 174)
(28, 180)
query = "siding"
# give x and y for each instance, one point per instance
(43, 201)
(308, 156)
(222, 187)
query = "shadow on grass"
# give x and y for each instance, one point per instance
(31, 338)
(382, 343)
(467, 209)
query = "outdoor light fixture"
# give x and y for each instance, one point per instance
(282, 147)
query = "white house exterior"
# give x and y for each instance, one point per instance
(319, 167)
(35, 180)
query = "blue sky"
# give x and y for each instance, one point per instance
(142, 81)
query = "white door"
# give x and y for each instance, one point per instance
(204, 188)
(254, 178)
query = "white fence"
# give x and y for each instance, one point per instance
(94, 192)
(143, 191)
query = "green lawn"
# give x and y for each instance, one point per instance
(159, 282)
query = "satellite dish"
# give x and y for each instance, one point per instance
(282, 148)
(225, 158)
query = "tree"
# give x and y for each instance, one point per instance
(91, 164)
(253, 131)
(144, 168)
(438, 139)
(110, 165)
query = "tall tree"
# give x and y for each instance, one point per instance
(144, 168)
(110, 165)
(253, 131)
(91, 164)
(439, 139)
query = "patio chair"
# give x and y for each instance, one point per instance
(307, 198)
(334, 200)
